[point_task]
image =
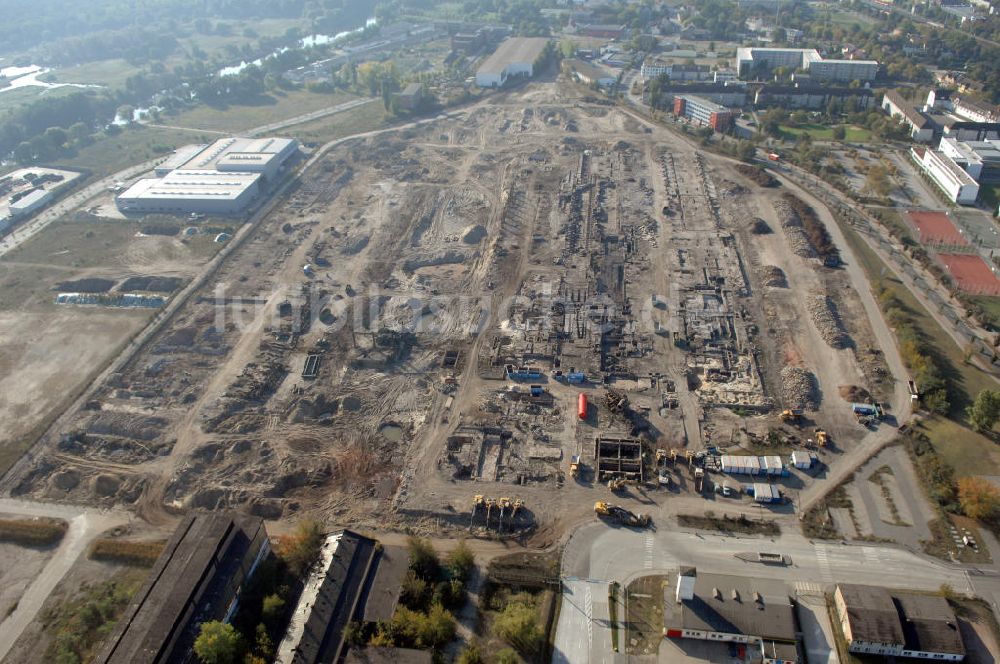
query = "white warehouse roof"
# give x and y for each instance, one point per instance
(226, 152)
(36, 197)
(514, 50)
(216, 185)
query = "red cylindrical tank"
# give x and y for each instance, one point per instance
(581, 407)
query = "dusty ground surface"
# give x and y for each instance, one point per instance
(19, 565)
(49, 351)
(348, 361)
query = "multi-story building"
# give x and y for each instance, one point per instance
(957, 185)
(753, 62)
(813, 97)
(980, 159)
(921, 128)
(704, 112)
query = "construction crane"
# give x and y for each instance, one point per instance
(621, 515)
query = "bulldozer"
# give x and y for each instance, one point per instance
(821, 437)
(616, 483)
(621, 515)
(791, 415)
(574, 465)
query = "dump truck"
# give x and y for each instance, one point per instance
(699, 479)
(621, 515)
(574, 465)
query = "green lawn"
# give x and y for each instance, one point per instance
(12, 98)
(968, 452)
(274, 107)
(853, 133)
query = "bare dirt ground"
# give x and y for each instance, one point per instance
(19, 565)
(47, 351)
(348, 361)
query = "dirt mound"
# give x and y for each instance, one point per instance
(854, 393)
(792, 223)
(151, 284)
(106, 485)
(773, 276)
(825, 316)
(799, 388)
(88, 285)
(127, 425)
(760, 227)
(474, 234)
(66, 480)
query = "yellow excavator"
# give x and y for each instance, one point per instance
(821, 437)
(621, 515)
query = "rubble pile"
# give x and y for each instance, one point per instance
(824, 314)
(799, 388)
(794, 231)
(773, 276)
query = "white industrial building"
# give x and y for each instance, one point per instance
(958, 186)
(749, 59)
(29, 203)
(223, 178)
(516, 56)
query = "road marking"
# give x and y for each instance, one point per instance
(649, 551)
(822, 558)
(808, 588)
(588, 605)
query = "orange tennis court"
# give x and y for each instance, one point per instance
(971, 273)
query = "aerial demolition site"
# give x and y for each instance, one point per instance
(491, 321)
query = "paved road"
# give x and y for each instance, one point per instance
(597, 554)
(84, 525)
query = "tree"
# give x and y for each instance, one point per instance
(839, 133)
(985, 410)
(301, 549)
(471, 655)
(23, 153)
(56, 136)
(272, 609)
(423, 559)
(978, 497)
(461, 560)
(507, 656)
(517, 624)
(217, 643)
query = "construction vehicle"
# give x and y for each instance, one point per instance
(505, 504)
(518, 506)
(690, 457)
(616, 483)
(621, 515)
(574, 465)
(821, 437)
(673, 455)
(699, 479)
(490, 504)
(661, 456)
(792, 415)
(478, 502)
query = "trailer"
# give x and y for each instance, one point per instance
(581, 407)
(764, 493)
(522, 373)
(576, 377)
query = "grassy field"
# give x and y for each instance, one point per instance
(643, 626)
(12, 98)
(968, 452)
(109, 73)
(274, 107)
(110, 154)
(853, 133)
(76, 244)
(357, 120)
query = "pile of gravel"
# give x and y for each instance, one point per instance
(824, 314)
(773, 276)
(799, 388)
